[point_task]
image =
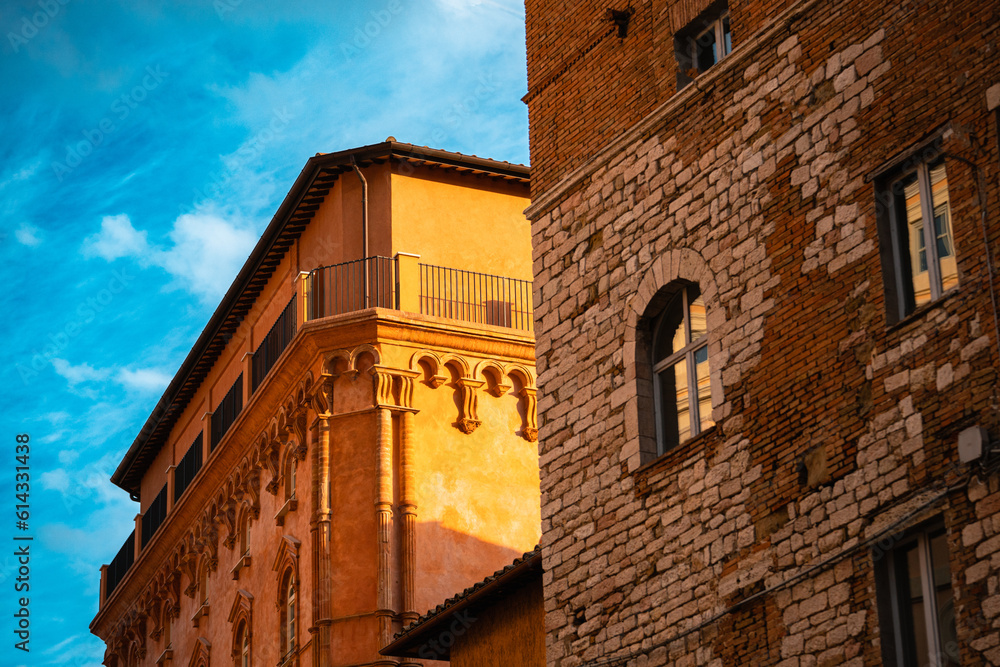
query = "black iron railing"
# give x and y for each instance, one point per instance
(475, 297)
(120, 564)
(188, 467)
(351, 286)
(226, 412)
(274, 343)
(154, 516)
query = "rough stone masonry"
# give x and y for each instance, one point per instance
(762, 540)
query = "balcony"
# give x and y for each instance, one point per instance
(396, 283)
(403, 283)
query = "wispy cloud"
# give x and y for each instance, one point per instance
(143, 379)
(116, 239)
(28, 235)
(80, 373)
(203, 253)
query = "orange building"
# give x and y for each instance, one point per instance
(352, 437)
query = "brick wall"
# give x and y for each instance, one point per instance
(835, 428)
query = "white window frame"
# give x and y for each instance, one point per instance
(687, 354)
(906, 301)
(717, 26)
(928, 594)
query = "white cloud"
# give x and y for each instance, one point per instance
(78, 374)
(143, 379)
(117, 238)
(54, 480)
(68, 457)
(27, 235)
(207, 253)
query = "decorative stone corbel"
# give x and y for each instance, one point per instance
(322, 396)
(468, 418)
(382, 381)
(297, 421)
(252, 486)
(189, 565)
(228, 516)
(530, 429)
(406, 379)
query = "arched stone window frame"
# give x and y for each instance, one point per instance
(201, 655)
(288, 475)
(244, 522)
(664, 277)
(201, 591)
(241, 620)
(286, 566)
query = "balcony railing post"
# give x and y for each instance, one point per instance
(171, 482)
(137, 545)
(303, 291)
(407, 282)
(104, 584)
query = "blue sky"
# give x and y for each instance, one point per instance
(144, 150)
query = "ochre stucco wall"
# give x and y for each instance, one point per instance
(483, 228)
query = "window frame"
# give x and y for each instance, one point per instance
(289, 616)
(713, 20)
(686, 356)
(900, 292)
(896, 622)
(716, 26)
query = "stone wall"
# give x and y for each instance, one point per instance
(758, 541)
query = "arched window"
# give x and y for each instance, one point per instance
(681, 391)
(245, 535)
(243, 645)
(203, 583)
(288, 614)
(289, 477)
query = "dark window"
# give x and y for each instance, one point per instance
(702, 43)
(154, 516)
(226, 411)
(274, 343)
(187, 468)
(120, 565)
(916, 609)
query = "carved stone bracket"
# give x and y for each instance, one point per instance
(530, 429)
(468, 419)
(498, 389)
(393, 387)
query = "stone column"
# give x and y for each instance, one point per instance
(383, 517)
(322, 592)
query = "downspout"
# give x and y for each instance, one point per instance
(364, 222)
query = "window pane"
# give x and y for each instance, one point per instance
(912, 238)
(916, 605)
(704, 388)
(945, 606)
(942, 227)
(727, 37)
(675, 421)
(705, 49)
(696, 310)
(670, 330)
